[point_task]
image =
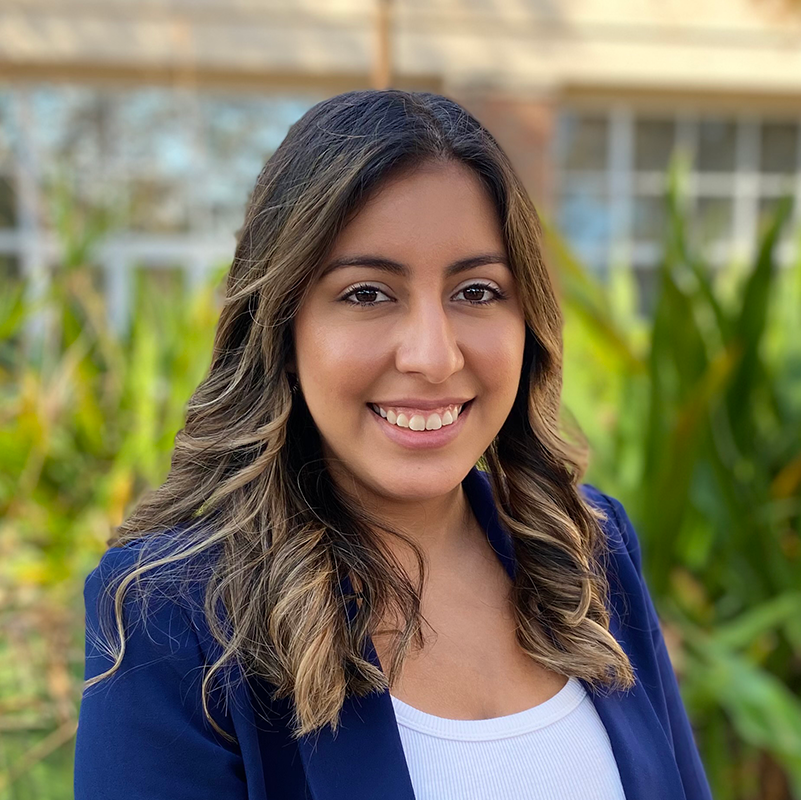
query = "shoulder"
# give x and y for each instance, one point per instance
(166, 561)
(145, 672)
(629, 595)
(151, 565)
(621, 536)
(160, 601)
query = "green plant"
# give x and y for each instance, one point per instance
(693, 416)
(87, 421)
(694, 421)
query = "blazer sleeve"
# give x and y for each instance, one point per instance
(142, 733)
(680, 731)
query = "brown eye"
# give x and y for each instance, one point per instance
(477, 289)
(362, 290)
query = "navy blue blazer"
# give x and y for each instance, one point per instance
(142, 734)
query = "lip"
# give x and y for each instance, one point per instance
(422, 440)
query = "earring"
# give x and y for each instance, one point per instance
(294, 384)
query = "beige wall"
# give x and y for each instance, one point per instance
(516, 45)
(512, 62)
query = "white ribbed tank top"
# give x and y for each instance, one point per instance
(557, 750)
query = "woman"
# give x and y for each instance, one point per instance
(327, 597)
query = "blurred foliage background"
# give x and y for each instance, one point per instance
(692, 413)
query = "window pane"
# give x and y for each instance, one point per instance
(240, 133)
(714, 218)
(779, 148)
(716, 146)
(584, 220)
(650, 218)
(583, 142)
(71, 125)
(156, 207)
(8, 203)
(6, 130)
(153, 133)
(654, 140)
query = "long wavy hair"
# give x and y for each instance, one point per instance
(249, 491)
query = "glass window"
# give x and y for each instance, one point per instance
(654, 140)
(240, 133)
(631, 188)
(779, 148)
(243, 131)
(156, 206)
(647, 280)
(154, 133)
(585, 221)
(649, 218)
(159, 160)
(6, 130)
(71, 125)
(714, 219)
(717, 146)
(583, 142)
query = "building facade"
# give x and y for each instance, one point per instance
(163, 114)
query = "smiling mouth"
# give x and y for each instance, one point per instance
(464, 407)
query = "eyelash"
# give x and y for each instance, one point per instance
(499, 294)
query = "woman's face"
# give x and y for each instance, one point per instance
(409, 317)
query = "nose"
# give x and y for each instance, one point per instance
(428, 343)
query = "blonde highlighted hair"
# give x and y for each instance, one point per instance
(249, 491)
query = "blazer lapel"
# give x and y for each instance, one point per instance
(643, 755)
(366, 759)
(641, 748)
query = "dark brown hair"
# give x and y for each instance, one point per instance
(248, 485)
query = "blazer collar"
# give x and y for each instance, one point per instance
(365, 758)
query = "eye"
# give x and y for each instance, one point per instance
(362, 289)
(498, 294)
(367, 289)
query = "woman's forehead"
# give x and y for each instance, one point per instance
(444, 207)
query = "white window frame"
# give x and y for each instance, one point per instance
(624, 183)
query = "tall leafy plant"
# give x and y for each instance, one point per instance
(693, 415)
(87, 422)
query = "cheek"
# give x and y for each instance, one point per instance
(333, 362)
(499, 355)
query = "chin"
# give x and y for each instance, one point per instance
(415, 481)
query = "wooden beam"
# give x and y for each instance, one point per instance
(382, 65)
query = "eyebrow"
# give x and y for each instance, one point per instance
(396, 268)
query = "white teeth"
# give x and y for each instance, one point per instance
(419, 422)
